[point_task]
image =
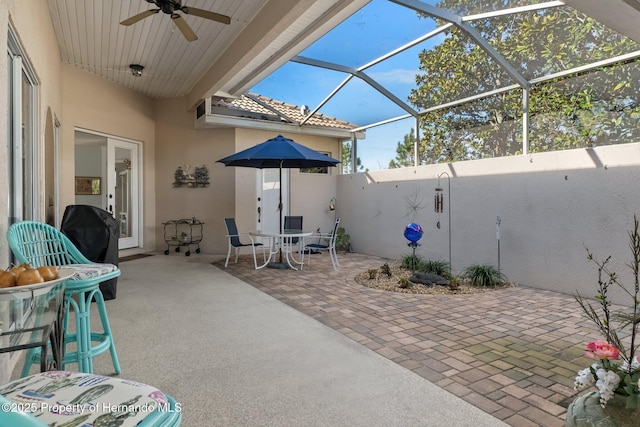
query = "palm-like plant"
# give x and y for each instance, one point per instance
(484, 275)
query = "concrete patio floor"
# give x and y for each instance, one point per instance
(512, 352)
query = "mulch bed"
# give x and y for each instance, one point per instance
(393, 282)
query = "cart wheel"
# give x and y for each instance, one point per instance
(198, 250)
(166, 252)
(187, 253)
(178, 249)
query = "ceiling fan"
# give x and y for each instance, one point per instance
(171, 7)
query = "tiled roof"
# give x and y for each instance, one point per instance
(260, 107)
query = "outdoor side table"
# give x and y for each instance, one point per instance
(32, 316)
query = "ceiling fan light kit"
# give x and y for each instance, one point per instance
(170, 7)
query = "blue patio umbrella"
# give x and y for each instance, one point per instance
(279, 152)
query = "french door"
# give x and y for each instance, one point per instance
(122, 184)
(114, 165)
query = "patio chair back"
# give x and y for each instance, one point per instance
(330, 246)
(232, 231)
(235, 244)
(40, 244)
(334, 235)
(293, 223)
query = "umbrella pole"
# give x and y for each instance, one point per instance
(280, 264)
(280, 206)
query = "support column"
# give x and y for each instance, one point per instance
(525, 121)
(354, 153)
(416, 143)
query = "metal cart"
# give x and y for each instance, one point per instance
(183, 232)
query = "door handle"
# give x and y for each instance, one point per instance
(259, 210)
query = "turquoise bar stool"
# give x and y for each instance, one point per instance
(63, 398)
(40, 244)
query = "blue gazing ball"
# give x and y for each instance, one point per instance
(413, 232)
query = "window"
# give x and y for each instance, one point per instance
(321, 169)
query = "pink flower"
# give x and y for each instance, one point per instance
(602, 350)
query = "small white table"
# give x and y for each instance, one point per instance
(283, 243)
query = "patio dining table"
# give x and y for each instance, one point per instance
(32, 316)
(283, 243)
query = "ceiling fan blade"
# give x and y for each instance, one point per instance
(139, 17)
(206, 14)
(184, 28)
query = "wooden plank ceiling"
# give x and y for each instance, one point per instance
(225, 59)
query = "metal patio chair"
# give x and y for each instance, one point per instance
(329, 247)
(236, 245)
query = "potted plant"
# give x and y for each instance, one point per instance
(615, 372)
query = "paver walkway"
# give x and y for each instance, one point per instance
(511, 352)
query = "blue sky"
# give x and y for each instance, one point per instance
(376, 29)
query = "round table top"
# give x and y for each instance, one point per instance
(285, 233)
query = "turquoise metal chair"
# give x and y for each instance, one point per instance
(40, 244)
(87, 399)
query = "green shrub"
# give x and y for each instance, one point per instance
(405, 283)
(441, 268)
(372, 273)
(411, 262)
(415, 262)
(484, 275)
(343, 240)
(385, 269)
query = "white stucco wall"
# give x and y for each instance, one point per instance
(552, 205)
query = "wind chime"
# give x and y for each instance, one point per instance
(439, 207)
(438, 202)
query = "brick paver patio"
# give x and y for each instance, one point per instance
(511, 352)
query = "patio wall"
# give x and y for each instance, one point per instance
(552, 206)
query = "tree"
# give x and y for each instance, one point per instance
(346, 159)
(404, 152)
(595, 108)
